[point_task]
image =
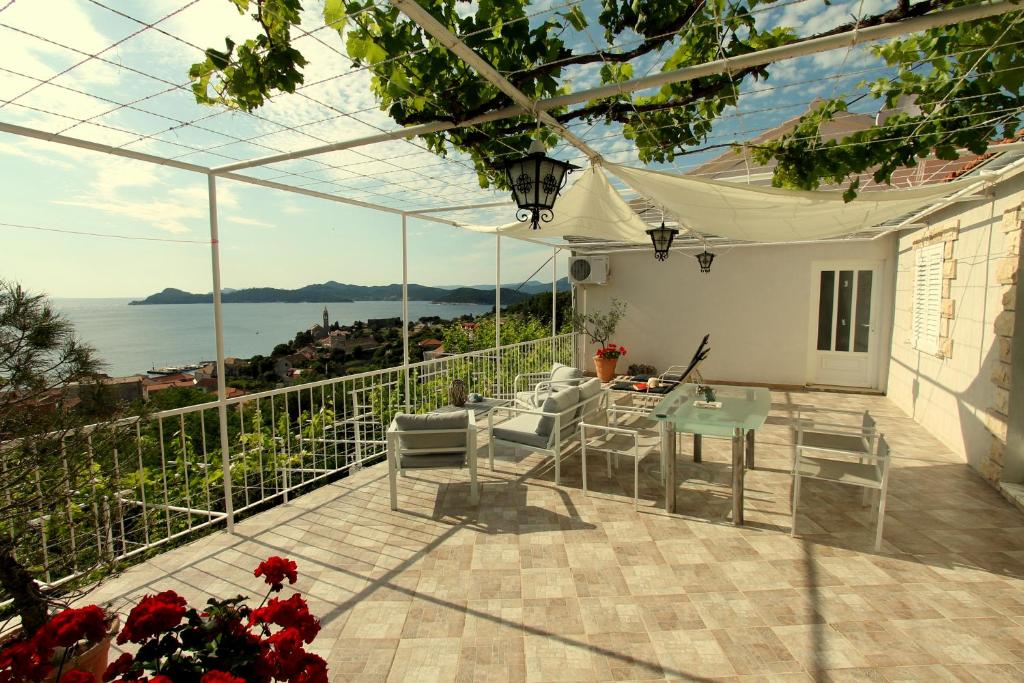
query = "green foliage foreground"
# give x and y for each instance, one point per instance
(966, 79)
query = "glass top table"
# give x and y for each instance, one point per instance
(743, 410)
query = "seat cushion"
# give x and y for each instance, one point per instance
(566, 375)
(588, 390)
(521, 429)
(421, 460)
(527, 398)
(845, 443)
(410, 424)
(558, 402)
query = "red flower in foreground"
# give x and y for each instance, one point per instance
(154, 614)
(275, 570)
(77, 676)
(72, 625)
(121, 665)
(220, 677)
(160, 678)
(290, 613)
(21, 661)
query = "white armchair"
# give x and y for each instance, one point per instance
(551, 427)
(433, 440)
(532, 389)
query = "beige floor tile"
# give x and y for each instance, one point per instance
(731, 609)
(599, 582)
(361, 659)
(563, 659)
(628, 656)
(426, 659)
(685, 655)
(877, 642)
(552, 616)
(434, 619)
(493, 619)
(376, 620)
(548, 583)
(819, 647)
(756, 650)
(497, 659)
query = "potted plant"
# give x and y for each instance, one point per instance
(225, 642)
(70, 647)
(605, 359)
(50, 392)
(599, 328)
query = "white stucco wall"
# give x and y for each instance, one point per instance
(755, 303)
(949, 396)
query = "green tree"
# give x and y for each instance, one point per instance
(958, 75)
(48, 454)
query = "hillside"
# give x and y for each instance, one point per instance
(334, 292)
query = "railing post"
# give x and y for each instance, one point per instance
(218, 328)
(405, 314)
(497, 314)
(554, 303)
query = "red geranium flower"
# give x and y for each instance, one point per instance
(22, 661)
(77, 676)
(275, 570)
(119, 666)
(220, 677)
(154, 614)
(160, 678)
(290, 613)
(66, 628)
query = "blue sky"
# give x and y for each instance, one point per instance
(132, 95)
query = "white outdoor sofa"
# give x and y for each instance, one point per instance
(552, 426)
(433, 440)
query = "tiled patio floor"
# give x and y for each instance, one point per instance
(543, 583)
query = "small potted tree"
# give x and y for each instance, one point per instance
(49, 394)
(599, 328)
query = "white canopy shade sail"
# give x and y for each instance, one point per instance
(589, 208)
(593, 208)
(770, 214)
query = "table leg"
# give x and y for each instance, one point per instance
(668, 448)
(698, 442)
(737, 478)
(750, 449)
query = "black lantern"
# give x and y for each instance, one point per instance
(662, 238)
(705, 258)
(536, 180)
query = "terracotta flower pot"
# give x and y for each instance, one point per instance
(605, 368)
(95, 659)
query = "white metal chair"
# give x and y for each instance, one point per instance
(871, 473)
(611, 441)
(836, 440)
(433, 440)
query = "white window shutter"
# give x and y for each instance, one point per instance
(927, 310)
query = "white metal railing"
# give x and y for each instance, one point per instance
(150, 481)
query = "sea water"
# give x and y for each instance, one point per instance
(133, 339)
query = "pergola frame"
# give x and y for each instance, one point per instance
(523, 106)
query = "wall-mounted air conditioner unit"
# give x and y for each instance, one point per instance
(588, 270)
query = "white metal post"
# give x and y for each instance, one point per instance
(554, 302)
(405, 312)
(218, 332)
(497, 310)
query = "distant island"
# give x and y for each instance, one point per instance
(336, 292)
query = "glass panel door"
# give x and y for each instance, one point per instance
(844, 294)
(862, 332)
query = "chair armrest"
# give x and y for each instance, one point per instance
(834, 428)
(528, 377)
